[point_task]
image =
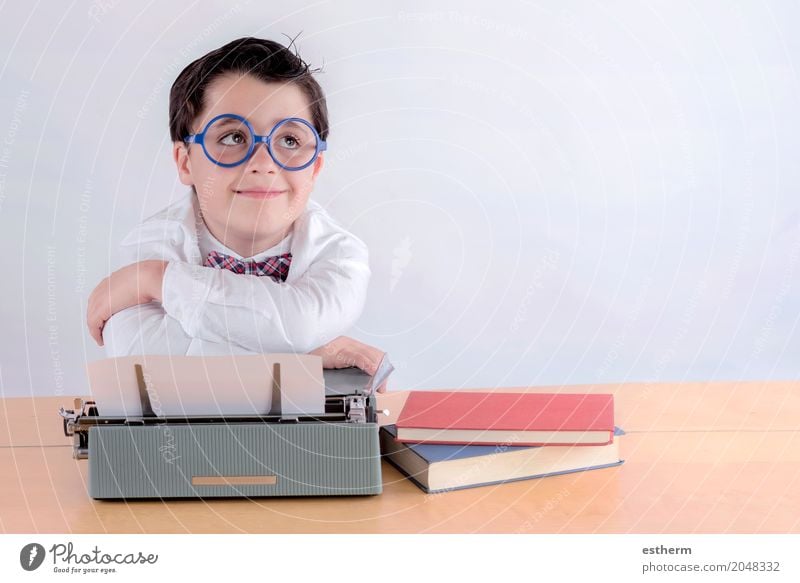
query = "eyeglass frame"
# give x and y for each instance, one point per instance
(322, 145)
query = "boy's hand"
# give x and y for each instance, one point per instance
(138, 283)
(344, 351)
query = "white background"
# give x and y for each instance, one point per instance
(552, 192)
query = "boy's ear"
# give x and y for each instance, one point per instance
(318, 164)
(180, 153)
(315, 170)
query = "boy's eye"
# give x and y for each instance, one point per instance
(288, 142)
(233, 139)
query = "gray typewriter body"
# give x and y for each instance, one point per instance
(333, 454)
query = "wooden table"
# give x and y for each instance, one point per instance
(699, 458)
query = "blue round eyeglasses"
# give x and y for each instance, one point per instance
(229, 140)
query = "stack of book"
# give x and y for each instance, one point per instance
(452, 440)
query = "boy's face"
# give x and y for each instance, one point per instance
(251, 206)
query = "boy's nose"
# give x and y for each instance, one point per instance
(260, 160)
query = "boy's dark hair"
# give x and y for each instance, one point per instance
(266, 60)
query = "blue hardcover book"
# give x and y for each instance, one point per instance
(438, 467)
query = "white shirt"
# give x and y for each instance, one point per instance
(209, 311)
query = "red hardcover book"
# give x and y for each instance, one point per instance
(507, 418)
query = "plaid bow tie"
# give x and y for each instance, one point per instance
(277, 267)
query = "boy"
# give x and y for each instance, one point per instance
(245, 263)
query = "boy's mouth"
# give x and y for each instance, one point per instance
(260, 192)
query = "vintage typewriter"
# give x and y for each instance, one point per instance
(148, 456)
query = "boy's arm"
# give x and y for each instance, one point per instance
(262, 315)
(126, 317)
(124, 312)
(127, 287)
(254, 313)
(144, 329)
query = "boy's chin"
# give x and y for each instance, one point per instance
(284, 207)
(247, 232)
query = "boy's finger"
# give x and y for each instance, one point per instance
(370, 365)
(95, 328)
(361, 361)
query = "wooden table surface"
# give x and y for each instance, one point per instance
(699, 457)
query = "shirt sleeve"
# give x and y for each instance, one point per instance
(262, 315)
(144, 329)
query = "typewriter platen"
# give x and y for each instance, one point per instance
(331, 454)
